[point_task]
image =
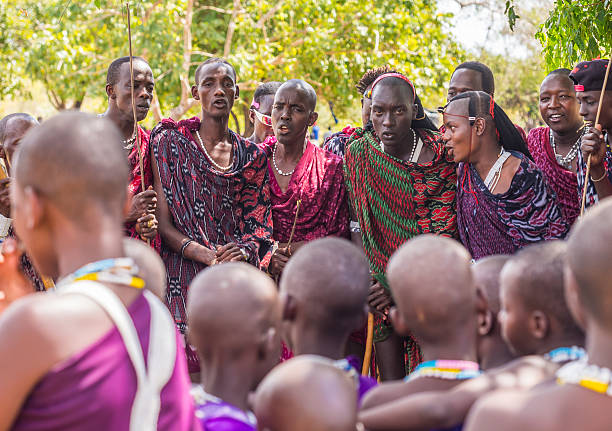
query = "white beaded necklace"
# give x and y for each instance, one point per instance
(495, 172)
(128, 144)
(566, 161)
(416, 148)
(285, 174)
(215, 164)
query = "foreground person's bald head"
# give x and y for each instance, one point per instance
(486, 277)
(328, 282)
(232, 307)
(433, 288)
(306, 393)
(588, 255)
(75, 162)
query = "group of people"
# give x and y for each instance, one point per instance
(249, 266)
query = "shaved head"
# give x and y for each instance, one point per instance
(150, 265)
(534, 276)
(486, 276)
(18, 117)
(432, 285)
(307, 393)
(588, 256)
(75, 161)
(231, 306)
(329, 278)
(303, 87)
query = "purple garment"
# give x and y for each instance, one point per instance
(365, 383)
(501, 224)
(215, 414)
(95, 389)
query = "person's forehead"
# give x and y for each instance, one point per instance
(265, 103)
(588, 94)
(466, 78)
(216, 71)
(457, 107)
(140, 67)
(291, 93)
(556, 83)
(392, 94)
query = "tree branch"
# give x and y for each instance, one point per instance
(230, 29)
(260, 23)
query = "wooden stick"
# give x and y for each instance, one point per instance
(367, 358)
(588, 168)
(297, 211)
(140, 162)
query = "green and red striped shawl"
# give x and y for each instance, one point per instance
(395, 200)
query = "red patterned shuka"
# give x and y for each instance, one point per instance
(396, 200)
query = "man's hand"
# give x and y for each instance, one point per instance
(5, 200)
(146, 226)
(593, 144)
(379, 299)
(13, 284)
(278, 261)
(142, 204)
(229, 253)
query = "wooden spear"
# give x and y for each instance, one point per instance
(588, 167)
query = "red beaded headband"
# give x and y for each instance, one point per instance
(390, 75)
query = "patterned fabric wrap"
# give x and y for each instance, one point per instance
(336, 142)
(501, 224)
(134, 187)
(591, 195)
(561, 180)
(394, 201)
(318, 181)
(210, 207)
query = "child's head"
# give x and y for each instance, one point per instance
(534, 316)
(306, 393)
(324, 288)
(486, 273)
(433, 288)
(588, 271)
(233, 315)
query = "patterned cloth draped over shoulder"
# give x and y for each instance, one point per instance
(395, 200)
(501, 224)
(561, 180)
(136, 178)
(318, 182)
(336, 143)
(211, 207)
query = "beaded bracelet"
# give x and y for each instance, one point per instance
(184, 246)
(599, 179)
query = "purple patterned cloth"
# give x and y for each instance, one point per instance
(336, 142)
(501, 224)
(95, 388)
(215, 414)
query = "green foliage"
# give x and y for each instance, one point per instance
(67, 45)
(511, 13)
(576, 30)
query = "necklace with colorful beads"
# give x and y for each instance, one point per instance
(589, 376)
(120, 270)
(565, 354)
(446, 369)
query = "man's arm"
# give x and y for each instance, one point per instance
(593, 143)
(171, 236)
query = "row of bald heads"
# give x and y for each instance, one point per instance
(76, 163)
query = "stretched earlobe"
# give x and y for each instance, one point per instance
(194, 92)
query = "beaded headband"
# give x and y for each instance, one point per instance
(390, 75)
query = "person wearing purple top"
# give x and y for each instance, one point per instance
(80, 358)
(233, 314)
(503, 200)
(323, 291)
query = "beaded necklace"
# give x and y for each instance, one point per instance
(212, 161)
(565, 354)
(446, 369)
(120, 270)
(566, 161)
(589, 376)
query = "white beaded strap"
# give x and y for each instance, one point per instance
(496, 168)
(161, 355)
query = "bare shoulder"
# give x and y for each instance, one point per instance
(501, 411)
(523, 373)
(383, 393)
